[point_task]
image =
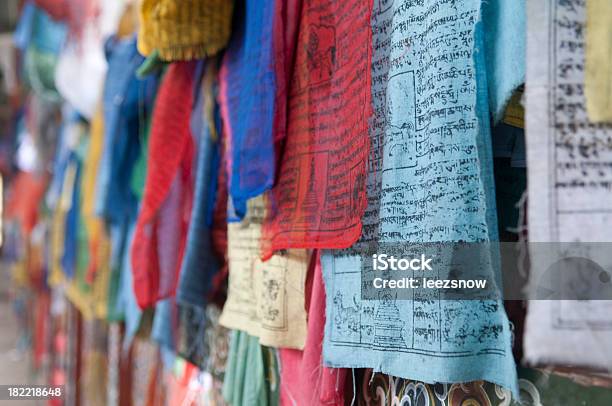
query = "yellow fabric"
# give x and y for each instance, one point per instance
(90, 167)
(99, 246)
(19, 273)
(598, 75)
(102, 281)
(515, 112)
(80, 300)
(128, 24)
(95, 376)
(184, 29)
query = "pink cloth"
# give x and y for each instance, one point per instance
(304, 379)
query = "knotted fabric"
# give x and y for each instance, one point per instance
(184, 29)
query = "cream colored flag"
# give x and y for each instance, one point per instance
(598, 79)
(570, 187)
(265, 299)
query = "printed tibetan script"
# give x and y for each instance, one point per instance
(429, 181)
(265, 299)
(320, 197)
(570, 184)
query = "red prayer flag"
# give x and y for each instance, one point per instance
(170, 159)
(320, 195)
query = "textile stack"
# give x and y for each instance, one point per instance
(309, 202)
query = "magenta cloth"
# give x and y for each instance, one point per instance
(304, 379)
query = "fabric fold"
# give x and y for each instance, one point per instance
(170, 157)
(319, 197)
(184, 29)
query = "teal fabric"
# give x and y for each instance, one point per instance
(505, 40)
(431, 181)
(40, 39)
(245, 381)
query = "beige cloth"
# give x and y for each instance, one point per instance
(265, 299)
(570, 180)
(598, 79)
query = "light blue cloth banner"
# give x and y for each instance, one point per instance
(23, 32)
(431, 180)
(164, 325)
(36, 28)
(127, 298)
(505, 32)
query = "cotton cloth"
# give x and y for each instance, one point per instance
(265, 299)
(304, 380)
(430, 181)
(320, 197)
(126, 100)
(184, 29)
(569, 189)
(81, 68)
(201, 262)
(505, 32)
(127, 300)
(250, 378)
(253, 98)
(76, 14)
(41, 39)
(598, 61)
(169, 170)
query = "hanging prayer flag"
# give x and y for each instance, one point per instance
(170, 156)
(320, 195)
(430, 181)
(184, 29)
(598, 61)
(570, 179)
(265, 299)
(304, 381)
(201, 262)
(253, 98)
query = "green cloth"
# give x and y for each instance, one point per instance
(139, 173)
(152, 64)
(252, 375)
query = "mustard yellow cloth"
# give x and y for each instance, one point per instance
(515, 112)
(184, 29)
(99, 244)
(598, 75)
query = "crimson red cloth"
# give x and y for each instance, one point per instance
(26, 193)
(170, 159)
(75, 13)
(320, 195)
(304, 379)
(58, 9)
